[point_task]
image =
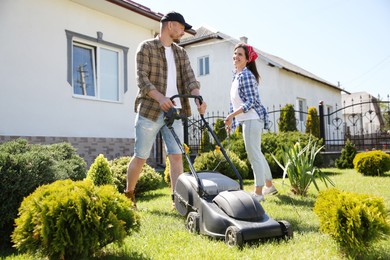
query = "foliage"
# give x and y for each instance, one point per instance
(100, 172)
(272, 145)
(345, 161)
(69, 220)
(236, 143)
(298, 164)
(215, 161)
(149, 179)
(24, 167)
(219, 129)
(313, 122)
(205, 143)
(287, 121)
(353, 220)
(372, 163)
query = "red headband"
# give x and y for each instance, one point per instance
(251, 53)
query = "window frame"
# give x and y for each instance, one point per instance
(202, 61)
(76, 39)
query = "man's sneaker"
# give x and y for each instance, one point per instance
(258, 197)
(269, 190)
(131, 196)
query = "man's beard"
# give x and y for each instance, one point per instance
(176, 41)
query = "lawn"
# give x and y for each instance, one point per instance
(163, 234)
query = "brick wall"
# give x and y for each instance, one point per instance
(87, 147)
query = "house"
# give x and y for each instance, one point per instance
(67, 73)
(281, 83)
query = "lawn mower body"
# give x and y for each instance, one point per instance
(217, 206)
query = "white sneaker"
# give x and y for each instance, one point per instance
(258, 197)
(269, 190)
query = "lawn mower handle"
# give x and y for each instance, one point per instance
(211, 131)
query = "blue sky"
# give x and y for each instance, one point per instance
(345, 41)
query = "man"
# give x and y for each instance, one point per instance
(163, 70)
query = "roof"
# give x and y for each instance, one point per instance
(204, 34)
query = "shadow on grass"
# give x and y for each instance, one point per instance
(295, 200)
(132, 255)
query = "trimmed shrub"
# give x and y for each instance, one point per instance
(205, 143)
(215, 161)
(148, 180)
(345, 161)
(236, 143)
(287, 121)
(353, 220)
(372, 163)
(219, 129)
(313, 122)
(100, 172)
(24, 167)
(72, 220)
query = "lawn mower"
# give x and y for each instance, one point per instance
(216, 205)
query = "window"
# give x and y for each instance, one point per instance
(204, 66)
(301, 109)
(96, 69)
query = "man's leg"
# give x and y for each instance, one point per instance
(175, 169)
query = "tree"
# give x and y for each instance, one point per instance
(287, 121)
(313, 122)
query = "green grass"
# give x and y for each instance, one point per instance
(163, 234)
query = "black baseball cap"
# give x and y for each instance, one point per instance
(175, 17)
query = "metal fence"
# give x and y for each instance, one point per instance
(364, 123)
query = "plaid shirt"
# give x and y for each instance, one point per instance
(248, 91)
(152, 74)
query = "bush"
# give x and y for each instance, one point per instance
(287, 121)
(100, 172)
(205, 143)
(313, 122)
(372, 163)
(236, 143)
(70, 220)
(353, 220)
(148, 180)
(219, 129)
(24, 167)
(272, 143)
(215, 161)
(298, 164)
(345, 161)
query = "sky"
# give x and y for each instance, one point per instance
(344, 42)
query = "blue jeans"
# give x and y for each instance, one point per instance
(251, 130)
(146, 131)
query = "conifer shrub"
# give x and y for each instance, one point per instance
(24, 167)
(205, 143)
(372, 163)
(215, 161)
(100, 172)
(353, 220)
(148, 180)
(345, 161)
(313, 122)
(73, 220)
(219, 129)
(287, 121)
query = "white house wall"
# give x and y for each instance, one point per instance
(36, 99)
(278, 87)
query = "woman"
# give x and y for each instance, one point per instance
(246, 108)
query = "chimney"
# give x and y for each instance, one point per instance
(244, 39)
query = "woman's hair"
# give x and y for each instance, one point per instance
(251, 65)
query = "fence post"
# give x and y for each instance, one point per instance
(322, 120)
(185, 128)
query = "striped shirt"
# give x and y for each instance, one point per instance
(152, 75)
(248, 90)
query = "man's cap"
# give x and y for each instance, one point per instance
(175, 17)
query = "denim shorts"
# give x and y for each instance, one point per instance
(146, 131)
